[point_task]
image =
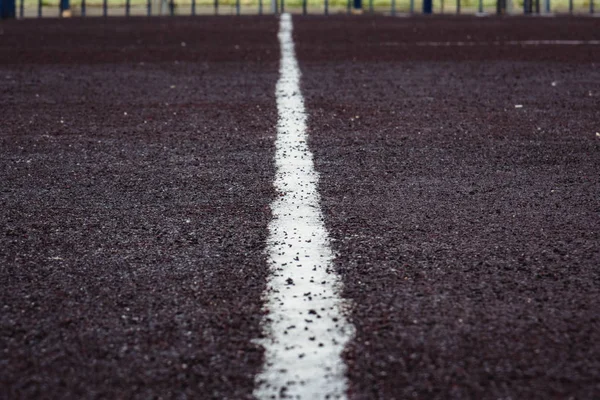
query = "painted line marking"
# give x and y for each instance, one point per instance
(305, 327)
(499, 43)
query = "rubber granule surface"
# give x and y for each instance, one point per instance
(461, 188)
(459, 183)
(136, 181)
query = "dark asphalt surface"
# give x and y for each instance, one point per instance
(467, 230)
(136, 168)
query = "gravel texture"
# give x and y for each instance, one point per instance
(461, 186)
(136, 169)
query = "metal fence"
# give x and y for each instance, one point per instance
(106, 8)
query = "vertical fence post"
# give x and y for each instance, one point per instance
(127, 7)
(457, 7)
(63, 6)
(22, 9)
(500, 7)
(326, 7)
(480, 8)
(193, 7)
(427, 6)
(348, 6)
(412, 6)
(237, 7)
(260, 7)
(393, 10)
(591, 6)
(39, 13)
(304, 7)
(547, 6)
(282, 8)
(537, 6)
(172, 8)
(149, 8)
(371, 6)
(570, 6)
(216, 7)
(104, 8)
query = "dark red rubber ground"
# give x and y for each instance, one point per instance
(136, 181)
(467, 230)
(136, 168)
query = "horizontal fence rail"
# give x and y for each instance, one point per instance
(127, 8)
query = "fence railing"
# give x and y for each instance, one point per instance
(106, 8)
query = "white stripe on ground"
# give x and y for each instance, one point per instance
(499, 43)
(305, 327)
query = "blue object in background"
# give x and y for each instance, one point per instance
(8, 9)
(427, 6)
(63, 5)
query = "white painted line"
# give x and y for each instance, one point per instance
(499, 43)
(305, 327)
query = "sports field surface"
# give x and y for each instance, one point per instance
(169, 188)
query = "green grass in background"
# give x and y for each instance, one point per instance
(447, 6)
